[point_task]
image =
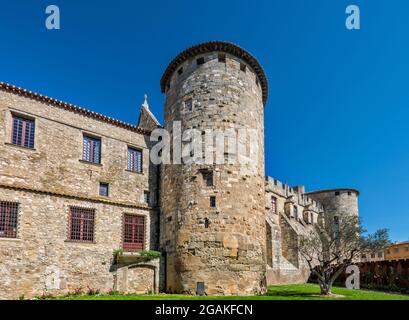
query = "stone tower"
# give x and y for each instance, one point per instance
(213, 215)
(337, 201)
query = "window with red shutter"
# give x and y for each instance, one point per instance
(133, 233)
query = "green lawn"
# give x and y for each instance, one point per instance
(286, 292)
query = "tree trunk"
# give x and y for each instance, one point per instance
(326, 288)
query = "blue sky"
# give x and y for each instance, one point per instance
(338, 108)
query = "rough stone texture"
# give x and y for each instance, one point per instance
(337, 201)
(48, 180)
(229, 255)
(235, 248)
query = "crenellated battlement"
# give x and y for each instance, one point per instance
(297, 193)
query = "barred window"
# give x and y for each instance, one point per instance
(134, 233)
(273, 205)
(92, 150)
(23, 132)
(81, 224)
(8, 219)
(135, 163)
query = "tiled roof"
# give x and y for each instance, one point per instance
(70, 107)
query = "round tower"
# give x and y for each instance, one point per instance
(337, 201)
(213, 213)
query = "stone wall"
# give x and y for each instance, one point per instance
(224, 246)
(47, 180)
(42, 259)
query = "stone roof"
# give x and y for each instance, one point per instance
(70, 107)
(213, 46)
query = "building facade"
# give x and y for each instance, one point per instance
(75, 186)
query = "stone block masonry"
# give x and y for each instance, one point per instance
(230, 230)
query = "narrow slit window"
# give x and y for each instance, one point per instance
(208, 178)
(207, 223)
(273, 205)
(23, 131)
(213, 202)
(243, 67)
(180, 71)
(200, 61)
(146, 197)
(222, 57)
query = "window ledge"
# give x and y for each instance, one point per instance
(135, 172)
(19, 147)
(80, 242)
(91, 163)
(10, 239)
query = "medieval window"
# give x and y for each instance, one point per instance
(180, 71)
(273, 205)
(373, 255)
(135, 163)
(349, 193)
(407, 249)
(91, 149)
(81, 224)
(208, 178)
(380, 254)
(396, 250)
(213, 202)
(104, 189)
(8, 219)
(337, 193)
(200, 61)
(189, 105)
(22, 133)
(363, 256)
(295, 212)
(336, 227)
(222, 57)
(133, 233)
(146, 197)
(207, 223)
(243, 67)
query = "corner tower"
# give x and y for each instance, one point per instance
(213, 215)
(337, 202)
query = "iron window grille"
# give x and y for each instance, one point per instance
(81, 226)
(23, 132)
(8, 219)
(92, 150)
(135, 163)
(133, 233)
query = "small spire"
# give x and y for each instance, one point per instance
(145, 103)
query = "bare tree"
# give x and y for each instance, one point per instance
(336, 242)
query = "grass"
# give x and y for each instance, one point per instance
(284, 292)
